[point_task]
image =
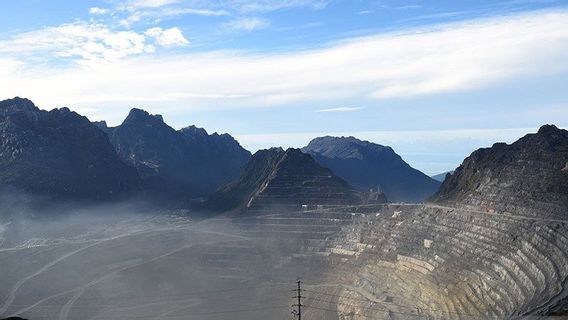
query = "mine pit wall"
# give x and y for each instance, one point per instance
(413, 261)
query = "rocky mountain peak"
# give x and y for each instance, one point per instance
(17, 104)
(274, 177)
(58, 153)
(548, 128)
(182, 163)
(142, 117)
(523, 177)
(345, 147)
(101, 124)
(366, 165)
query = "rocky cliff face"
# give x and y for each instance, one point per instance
(176, 163)
(367, 165)
(58, 153)
(275, 177)
(493, 246)
(527, 177)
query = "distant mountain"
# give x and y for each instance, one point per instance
(58, 153)
(275, 177)
(442, 176)
(529, 176)
(367, 165)
(176, 163)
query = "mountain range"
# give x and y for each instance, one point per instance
(176, 163)
(61, 154)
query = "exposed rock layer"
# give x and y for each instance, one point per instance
(525, 177)
(275, 177)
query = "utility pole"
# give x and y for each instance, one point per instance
(298, 311)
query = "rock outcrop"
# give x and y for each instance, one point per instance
(176, 163)
(367, 165)
(525, 177)
(58, 154)
(278, 178)
(493, 245)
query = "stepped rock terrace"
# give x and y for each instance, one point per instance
(391, 261)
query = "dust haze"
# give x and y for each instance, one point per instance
(130, 260)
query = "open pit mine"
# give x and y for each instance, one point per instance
(492, 243)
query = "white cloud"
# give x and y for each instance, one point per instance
(448, 58)
(171, 37)
(88, 42)
(98, 11)
(247, 24)
(340, 109)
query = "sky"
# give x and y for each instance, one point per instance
(435, 80)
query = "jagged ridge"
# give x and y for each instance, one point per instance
(176, 163)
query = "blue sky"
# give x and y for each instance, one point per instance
(433, 79)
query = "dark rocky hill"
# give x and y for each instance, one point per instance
(528, 176)
(176, 163)
(367, 165)
(58, 154)
(275, 178)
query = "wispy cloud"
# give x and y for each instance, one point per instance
(247, 24)
(177, 11)
(445, 58)
(134, 11)
(149, 3)
(409, 7)
(340, 109)
(273, 5)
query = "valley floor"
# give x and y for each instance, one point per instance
(394, 261)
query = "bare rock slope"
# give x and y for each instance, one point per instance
(58, 154)
(275, 177)
(176, 163)
(526, 177)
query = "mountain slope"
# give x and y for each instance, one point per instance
(367, 165)
(176, 163)
(275, 177)
(528, 176)
(58, 153)
(441, 176)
